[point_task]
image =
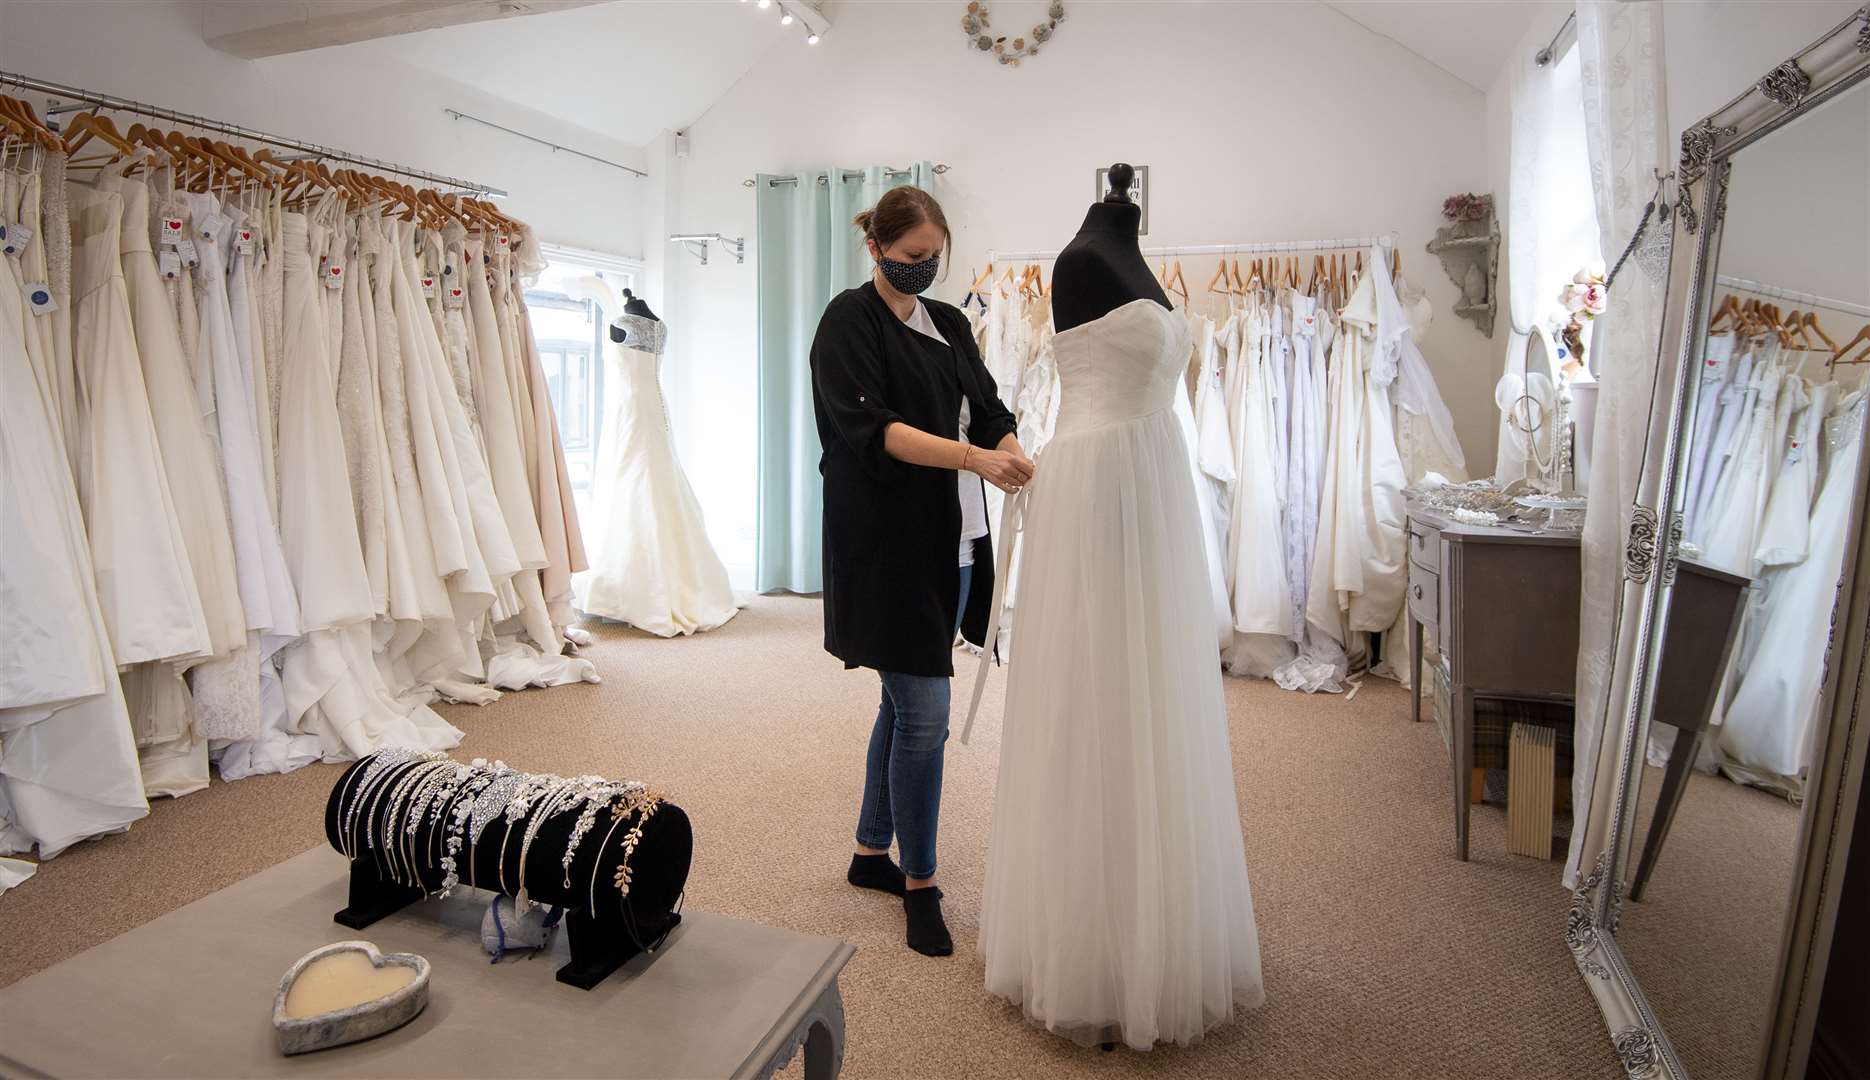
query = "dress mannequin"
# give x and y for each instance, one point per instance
(632, 305)
(1102, 268)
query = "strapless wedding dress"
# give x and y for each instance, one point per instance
(1116, 904)
(652, 566)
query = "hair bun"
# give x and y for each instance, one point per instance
(863, 220)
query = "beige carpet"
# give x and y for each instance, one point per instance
(1704, 942)
(1384, 957)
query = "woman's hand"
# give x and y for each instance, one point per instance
(1008, 470)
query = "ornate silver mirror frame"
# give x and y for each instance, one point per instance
(1830, 66)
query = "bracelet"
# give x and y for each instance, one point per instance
(967, 452)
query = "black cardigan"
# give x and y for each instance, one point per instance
(892, 530)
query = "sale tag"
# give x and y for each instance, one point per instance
(170, 264)
(428, 286)
(243, 240)
(334, 276)
(14, 237)
(40, 298)
(188, 253)
(172, 231)
(454, 298)
(211, 224)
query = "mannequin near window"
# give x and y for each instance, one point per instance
(1103, 268)
(632, 305)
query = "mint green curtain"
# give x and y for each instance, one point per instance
(807, 252)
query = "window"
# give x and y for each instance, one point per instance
(571, 307)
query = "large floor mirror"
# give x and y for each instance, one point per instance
(1730, 793)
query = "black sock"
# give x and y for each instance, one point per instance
(876, 872)
(928, 933)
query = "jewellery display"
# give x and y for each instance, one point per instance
(595, 802)
(417, 825)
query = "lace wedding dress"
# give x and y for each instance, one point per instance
(1116, 904)
(653, 566)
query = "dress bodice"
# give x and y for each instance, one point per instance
(1119, 367)
(1845, 427)
(642, 334)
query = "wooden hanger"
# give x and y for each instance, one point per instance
(1811, 326)
(1728, 310)
(1177, 283)
(1837, 355)
(981, 281)
(27, 124)
(87, 126)
(1220, 272)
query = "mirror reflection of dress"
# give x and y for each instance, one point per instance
(1767, 733)
(652, 566)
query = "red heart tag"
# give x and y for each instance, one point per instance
(175, 224)
(245, 235)
(428, 282)
(454, 292)
(336, 270)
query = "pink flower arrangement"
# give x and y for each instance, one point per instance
(1584, 296)
(1467, 207)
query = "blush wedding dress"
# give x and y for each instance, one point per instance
(1116, 905)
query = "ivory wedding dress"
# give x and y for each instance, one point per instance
(654, 567)
(1116, 903)
(1767, 733)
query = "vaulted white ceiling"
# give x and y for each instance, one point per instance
(1468, 39)
(626, 70)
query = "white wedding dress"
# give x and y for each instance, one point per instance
(1116, 904)
(1767, 733)
(653, 566)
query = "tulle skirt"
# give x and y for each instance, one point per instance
(1116, 904)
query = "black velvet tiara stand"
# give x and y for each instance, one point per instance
(606, 927)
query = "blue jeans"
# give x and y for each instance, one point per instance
(902, 774)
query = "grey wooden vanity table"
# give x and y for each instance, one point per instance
(1501, 606)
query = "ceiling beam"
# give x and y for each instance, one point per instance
(255, 30)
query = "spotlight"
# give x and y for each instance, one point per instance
(812, 40)
(786, 19)
(764, 4)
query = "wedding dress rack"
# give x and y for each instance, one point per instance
(1386, 241)
(781, 181)
(108, 101)
(1760, 288)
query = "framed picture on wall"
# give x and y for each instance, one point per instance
(1139, 193)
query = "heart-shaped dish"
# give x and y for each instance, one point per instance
(393, 1001)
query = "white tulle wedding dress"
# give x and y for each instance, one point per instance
(1116, 905)
(652, 565)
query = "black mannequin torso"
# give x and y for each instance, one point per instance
(1102, 268)
(632, 305)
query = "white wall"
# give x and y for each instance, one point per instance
(1265, 121)
(355, 98)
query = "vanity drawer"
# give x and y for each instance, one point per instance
(1425, 597)
(1424, 546)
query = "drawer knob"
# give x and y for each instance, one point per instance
(1418, 592)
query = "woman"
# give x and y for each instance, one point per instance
(906, 414)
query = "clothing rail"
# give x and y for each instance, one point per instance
(1760, 288)
(117, 104)
(849, 174)
(459, 115)
(1387, 240)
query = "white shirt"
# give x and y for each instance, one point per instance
(973, 496)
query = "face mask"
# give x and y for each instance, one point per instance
(910, 279)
